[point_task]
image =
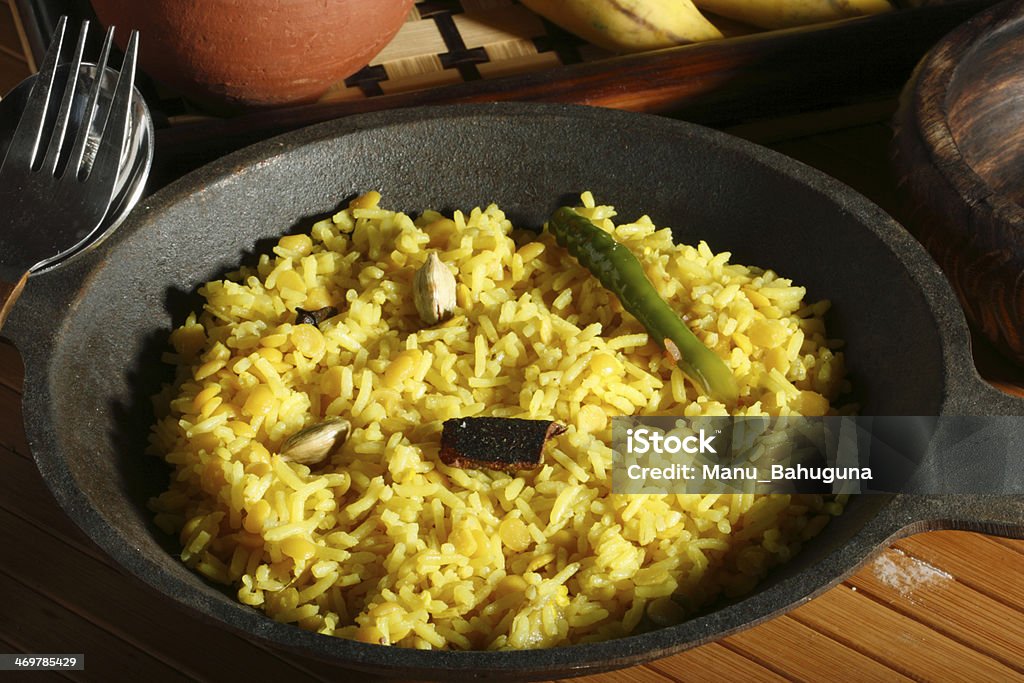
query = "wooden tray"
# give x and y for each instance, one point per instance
(453, 51)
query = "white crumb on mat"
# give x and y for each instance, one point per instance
(904, 573)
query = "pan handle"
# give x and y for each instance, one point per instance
(993, 515)
(43, 303)
(975, 396)
(975, 451)
(9, 293)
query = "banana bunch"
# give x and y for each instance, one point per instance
(789, 13)
(629, 25)
(639, 25)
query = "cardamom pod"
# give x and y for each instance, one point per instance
(433, 291)
(313, 444)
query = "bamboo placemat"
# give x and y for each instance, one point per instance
(470, 40)
(14, 65)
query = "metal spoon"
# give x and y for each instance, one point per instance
(136, 155)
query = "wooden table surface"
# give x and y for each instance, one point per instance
(941, 606)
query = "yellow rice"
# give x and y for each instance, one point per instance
(388, 545)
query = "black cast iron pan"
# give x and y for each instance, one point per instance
(91, 333)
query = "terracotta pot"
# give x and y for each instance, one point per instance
(255, 53)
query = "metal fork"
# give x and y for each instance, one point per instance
(52, 200)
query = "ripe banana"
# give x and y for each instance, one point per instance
(787, 13)
(629, 25)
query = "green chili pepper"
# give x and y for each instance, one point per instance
(621, 273)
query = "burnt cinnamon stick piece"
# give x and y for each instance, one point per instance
(497, 443)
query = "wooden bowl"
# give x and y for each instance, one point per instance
(959, 148)
(255, 53)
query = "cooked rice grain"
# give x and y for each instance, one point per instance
(388, 545)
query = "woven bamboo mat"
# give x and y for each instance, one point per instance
(445, 42)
